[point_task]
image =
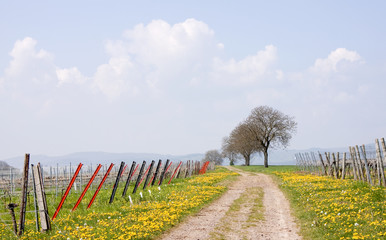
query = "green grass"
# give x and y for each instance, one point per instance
(269, 170)
(251, 199)
(172, 200)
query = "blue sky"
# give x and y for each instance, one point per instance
(175, 77)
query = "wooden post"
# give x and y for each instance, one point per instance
(344, 165)
(337, 165)
(366, 166)
(352, 153)
(11, 208)
(360, 163)
(321, 160)
(23, 198)
(328, 163)
(380, 164)
(334, 165)
(381, 161)
(35, 200)
(44, 221)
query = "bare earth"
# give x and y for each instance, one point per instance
(213, 222)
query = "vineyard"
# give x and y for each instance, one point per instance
(148, 201)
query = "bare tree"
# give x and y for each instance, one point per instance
(270, 128)
(241, 141)
(227, 152)
(213, 156)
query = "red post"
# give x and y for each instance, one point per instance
(175, 171)
(205, 167)
(86, 188)
(100, 186)
(67, 191)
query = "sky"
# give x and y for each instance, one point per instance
(175, 77)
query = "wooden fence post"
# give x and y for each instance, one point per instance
(44, 220)
(321, 160)
(384, 158)
(360, 163)
(380, 164)
(23, 198)
(366, 166)
(352, 153)
(344, 165)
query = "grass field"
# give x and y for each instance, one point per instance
(146, 217)
(327, 208)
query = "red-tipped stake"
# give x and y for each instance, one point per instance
(100, 186)
(67, 191)
(86, 188)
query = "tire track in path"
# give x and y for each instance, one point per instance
(277, 224)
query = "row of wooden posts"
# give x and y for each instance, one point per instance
(153, 175)
(358, 163)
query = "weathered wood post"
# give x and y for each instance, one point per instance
(321, 161)
(44, 220)
(344, 166)
(381, 171)
(352, 153)
(35, 200)
(384, 160)
(11, 208)
(360, 163)
(366, 166)
(23, 198)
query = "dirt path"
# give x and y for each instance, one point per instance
(236, 214)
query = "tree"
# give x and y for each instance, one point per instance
(213, 156)
(226, 151)
(242, 142)
(270, 128)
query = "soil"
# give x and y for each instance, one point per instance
(213, 221)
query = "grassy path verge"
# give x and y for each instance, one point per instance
(327, 208)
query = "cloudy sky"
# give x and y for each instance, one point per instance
(173, 77)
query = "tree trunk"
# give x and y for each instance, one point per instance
(247, 159)
(266, 158)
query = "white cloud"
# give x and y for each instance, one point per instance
(28, 64)
(116, 77)
(330, 64)
(70, 75)
(248, 70)
(157, 54)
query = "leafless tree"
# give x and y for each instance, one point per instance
(270, 128)
(241, 141)
(213, 156)
(227, 152)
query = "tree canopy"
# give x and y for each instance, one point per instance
(264, 128)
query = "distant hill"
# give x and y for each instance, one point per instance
(276, 157)
(94, 158)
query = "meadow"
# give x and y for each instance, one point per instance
(328, 208)
(143, 215)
